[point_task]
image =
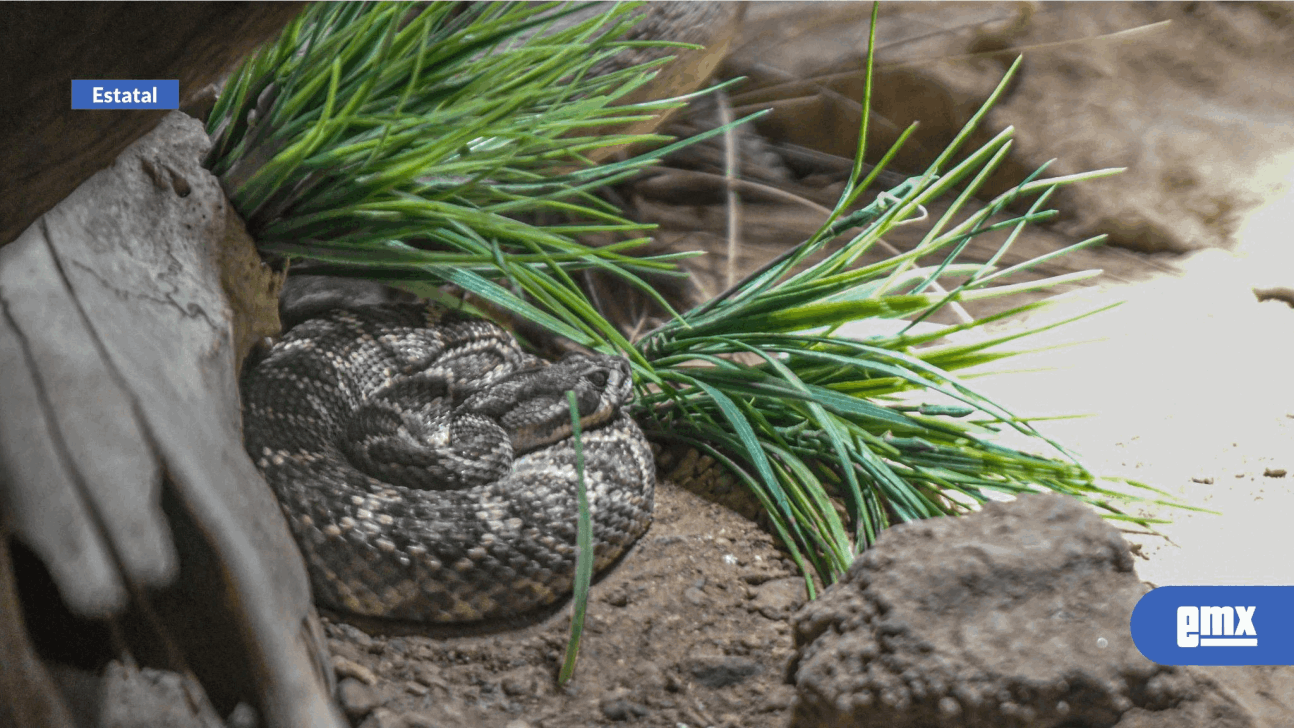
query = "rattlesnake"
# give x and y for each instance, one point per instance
(388, 433)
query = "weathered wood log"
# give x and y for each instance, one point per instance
(121, 459)
(47, 149)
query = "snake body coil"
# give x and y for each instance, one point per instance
(425, 465)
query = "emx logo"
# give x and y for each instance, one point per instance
(1215, 625)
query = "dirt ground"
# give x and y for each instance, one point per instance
(690, 629)
(1187, 384)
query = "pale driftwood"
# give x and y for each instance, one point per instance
(48, 149)
(69, 425)
(121, 457)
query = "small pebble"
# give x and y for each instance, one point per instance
(616, 705)
(778, 698)
(349, 668)
(721, 671)
(755, 578)
(521, 682)
(778, 598)
(623, 710)
(351, 633)
(695, 596)
(355, 698)
(430, 676)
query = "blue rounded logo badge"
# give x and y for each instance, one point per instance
(1216, 625)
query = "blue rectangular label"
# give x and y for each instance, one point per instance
(125, 94)
(1215, 625)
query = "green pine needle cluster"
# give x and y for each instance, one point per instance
(403, 142)
(418, 144)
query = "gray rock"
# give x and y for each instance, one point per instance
(721, 671)
(1016, 616)
(528, 680)
(778, 598)
(616, 705)
(696, 596)
(356, 698)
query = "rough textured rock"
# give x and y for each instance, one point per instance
(778, 598)
(1015, 616)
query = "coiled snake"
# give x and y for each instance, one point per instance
(425, 465)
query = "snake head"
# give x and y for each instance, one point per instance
(608, 378)
(531, 405)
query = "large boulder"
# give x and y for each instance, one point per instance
(1013, 616)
